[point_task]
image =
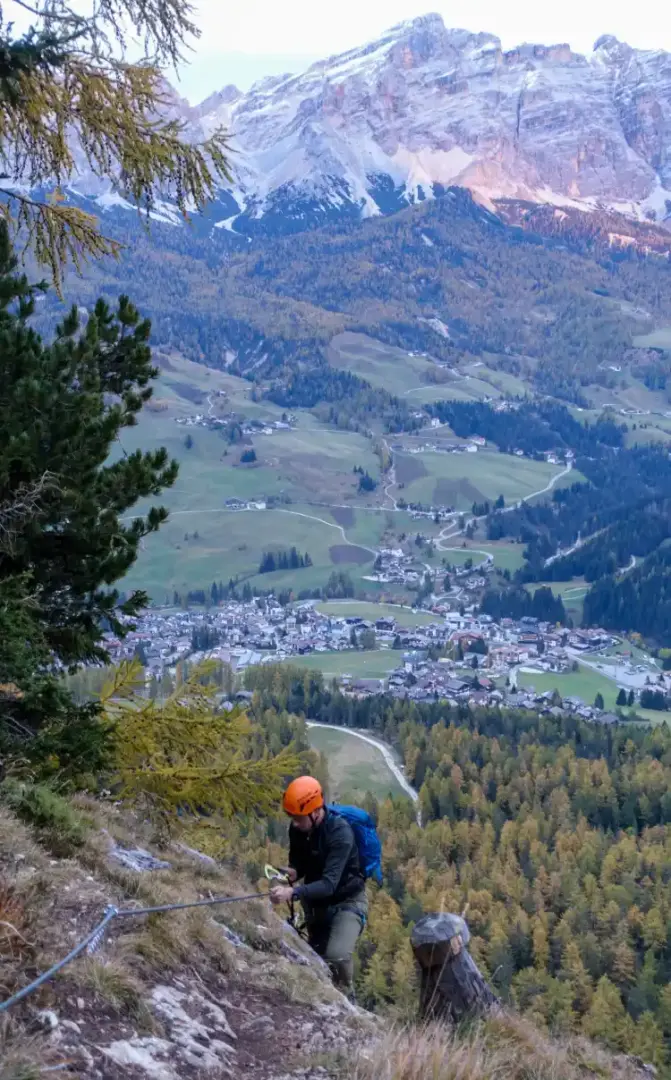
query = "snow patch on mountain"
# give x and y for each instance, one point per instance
(425, 107)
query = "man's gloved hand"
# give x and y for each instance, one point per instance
(280, 894)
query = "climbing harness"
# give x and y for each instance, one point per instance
(92, 942)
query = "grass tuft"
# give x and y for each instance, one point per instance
(167, 942)
(59, 826)
(299, 985)
(121, 990)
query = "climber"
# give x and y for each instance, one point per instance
(324, 856)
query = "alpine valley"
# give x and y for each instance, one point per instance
(426, 240)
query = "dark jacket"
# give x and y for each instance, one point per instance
(327, 861)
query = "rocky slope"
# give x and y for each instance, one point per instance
(207, 993)
(425, 107)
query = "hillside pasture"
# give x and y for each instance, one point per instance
(371, 663)
(507, 555)
(459, 480)
(656, 339)
(384, 366)
(586, 684)
(195, 548)
(311, 462)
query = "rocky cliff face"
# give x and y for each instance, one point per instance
(425, 107)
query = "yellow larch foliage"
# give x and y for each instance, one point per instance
(186, 759)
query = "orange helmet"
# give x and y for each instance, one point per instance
(303, 796)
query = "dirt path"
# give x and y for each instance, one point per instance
(387, 754)
(331, 524)
(277, 510)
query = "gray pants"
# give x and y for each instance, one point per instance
(333, 933)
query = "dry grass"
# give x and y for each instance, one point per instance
(120, 989)
(17, 843)
(299, 985)
(182, 938)
(24, 1057)
(507, 1048)
(14, 923)
(60, 827)
(17, 1063)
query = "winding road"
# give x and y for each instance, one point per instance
(387, 754)
(444, 534)
(391, 476)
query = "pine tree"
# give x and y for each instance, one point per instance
(621, 697)
(65, 534)
(623, 965)
(606, 1019)
(648, 1041)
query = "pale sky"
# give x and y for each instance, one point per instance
(243, 41)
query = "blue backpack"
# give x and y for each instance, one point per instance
(367, 840)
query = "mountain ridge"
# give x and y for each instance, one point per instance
(424, 107)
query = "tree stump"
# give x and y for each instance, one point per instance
(452, 987)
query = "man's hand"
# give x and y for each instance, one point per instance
(291, 875)
(280, 894)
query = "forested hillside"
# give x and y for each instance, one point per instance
(641, 600)
(555, 834)
(590, 530)
(561, 313)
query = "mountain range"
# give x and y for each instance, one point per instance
(432, 192)
(425, 107)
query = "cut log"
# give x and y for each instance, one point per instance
(452, 987)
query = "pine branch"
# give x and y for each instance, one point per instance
(183, 755)
(59, 235)
(25, 506)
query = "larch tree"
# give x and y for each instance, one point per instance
(83, 89)
(187, 764)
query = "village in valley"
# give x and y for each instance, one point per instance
(451, 658)
(412, 541)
